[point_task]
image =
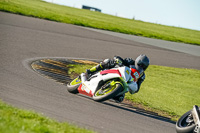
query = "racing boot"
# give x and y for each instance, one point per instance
(90, 72)
(106, 64)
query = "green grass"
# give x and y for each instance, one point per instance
(75, 69)
(13, 120)
(44, 10)
(171, 90)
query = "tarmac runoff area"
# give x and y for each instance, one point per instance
(175, 46)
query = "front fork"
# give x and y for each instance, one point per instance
(196, 118)
(124, 85)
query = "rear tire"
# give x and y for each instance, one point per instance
(99, 98)
(181, 124)
(72, 87)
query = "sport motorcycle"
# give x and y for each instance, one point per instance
(103, 85)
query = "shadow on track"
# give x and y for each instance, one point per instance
(131, 108)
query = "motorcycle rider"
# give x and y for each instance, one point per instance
(140, 65)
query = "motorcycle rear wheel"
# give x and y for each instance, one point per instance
(182, 125)
(107, 93)
(72, 87)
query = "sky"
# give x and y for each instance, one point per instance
(178, 13)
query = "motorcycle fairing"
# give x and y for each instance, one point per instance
(85, 90)
(113, 71)
(89, 87)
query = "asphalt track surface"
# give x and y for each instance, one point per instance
(25, 39)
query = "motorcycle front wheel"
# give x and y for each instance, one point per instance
(185, 124)
(72, 87)
(107, 91)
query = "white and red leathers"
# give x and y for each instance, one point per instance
(131, 76)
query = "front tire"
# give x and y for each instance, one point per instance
(107, 93)
(72, 87)
(182, 125)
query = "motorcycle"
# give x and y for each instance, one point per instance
(103, 85)
(189, 122)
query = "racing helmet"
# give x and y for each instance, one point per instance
(142, 62)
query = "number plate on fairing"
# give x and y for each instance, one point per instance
(85, 90)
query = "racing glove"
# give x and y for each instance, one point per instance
(118, 61)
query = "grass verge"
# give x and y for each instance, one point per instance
(49, 11)
(166, 90)
(13, 120)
